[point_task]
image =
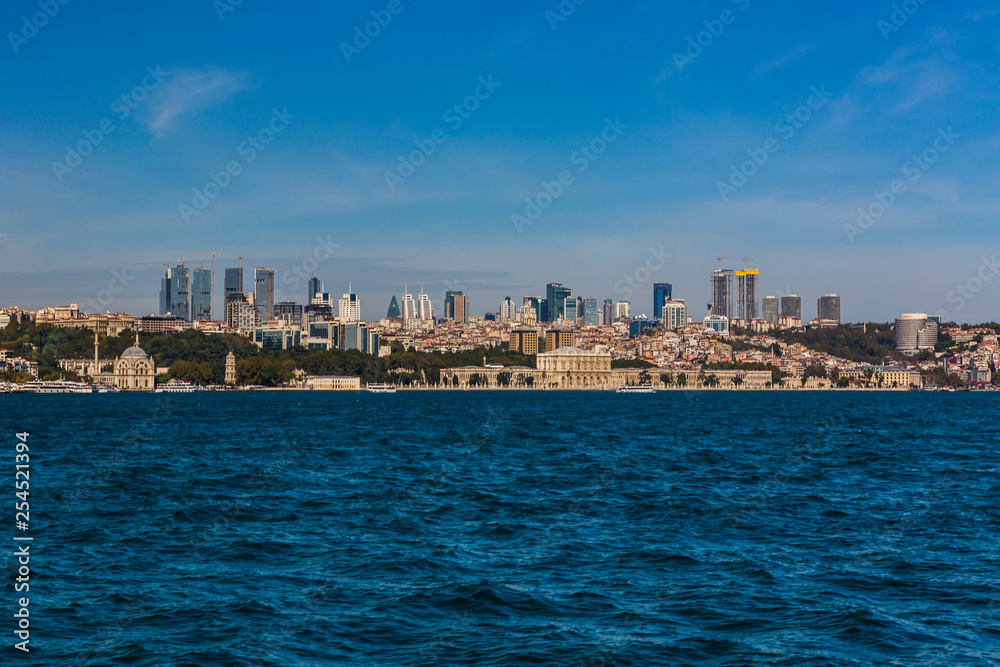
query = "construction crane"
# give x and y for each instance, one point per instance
(720, 262)
(211, 308)
(745, 260)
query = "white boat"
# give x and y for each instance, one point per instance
(57, 387)
(636, 389)
(175, 387)
(381, 389)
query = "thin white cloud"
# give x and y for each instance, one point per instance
(779, 62)
(187, 91)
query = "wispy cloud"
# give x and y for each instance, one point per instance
(187, 91)
(779, 62)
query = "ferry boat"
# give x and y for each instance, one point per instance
(57, 387)
(174, 387)
(636, 389)
(381, 389)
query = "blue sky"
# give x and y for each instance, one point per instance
(889, 91)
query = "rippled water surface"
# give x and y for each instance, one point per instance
(509, 528)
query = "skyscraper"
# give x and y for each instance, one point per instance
(263, 280)
(233, 282)
(609, 311)
(166, 293)
(507, 309)
(722, 292)
(590, 310)
(315, 287)
(349, 308)
(675, 314)
(791, 306)
(461, 308)
(661, 292)
(393, 310)
(569, 309)
(623, 310)
(828, 307)
(769, 308)
(201, 295)
(424, 309)
(409, 310)
(915, 332)
(555, 299)
(746, 304)
(175, 292)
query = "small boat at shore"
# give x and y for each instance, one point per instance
(381, 389)
(635, 389)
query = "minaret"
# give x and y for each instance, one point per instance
(97, 361)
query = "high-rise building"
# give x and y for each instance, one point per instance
(769, 308)
(263, 292)
(349, 308)
(314, 287)
(175, 293)
(661, 292)
(623, 310)
(424, 309)
(201, 294)
(409, 310)
(609, 311)
(722, 292)
(569, 310)
(393, 310)
(241, 313)
(674, 315)
(507, 310)
(828, 307)
(791, 306)
(590, 312)
(746, 303)
(233, 282)
(288, 312)
(456, 307)
(555, 299)
(915, 332)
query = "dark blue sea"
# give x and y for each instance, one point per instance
(507, 528)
